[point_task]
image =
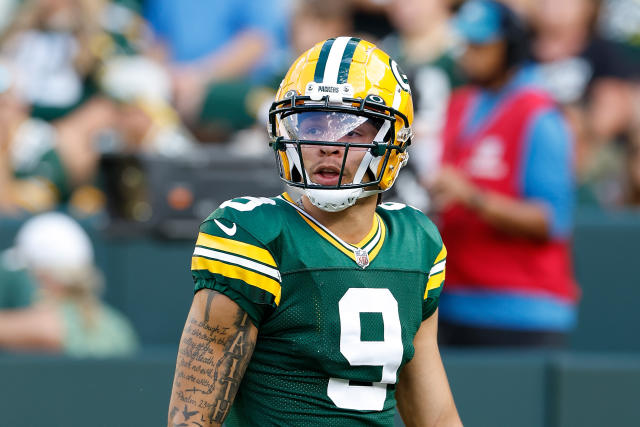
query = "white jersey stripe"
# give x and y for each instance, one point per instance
(438, 268)
(221, 256)
(376, 239)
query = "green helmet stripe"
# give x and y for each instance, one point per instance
(345, 63)
(322, 61)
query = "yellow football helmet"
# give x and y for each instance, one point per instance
(343, 83)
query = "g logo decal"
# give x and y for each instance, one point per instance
(400, 76)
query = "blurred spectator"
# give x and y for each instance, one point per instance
(426, 47)
(590, 76)
(8, 9)
(58, 45)
(619, 20)
(313, 20)
(145, 122)
(68, 316)
(580, 66)
(370, 19)
(522, 8)
(505, 194)
(77, 134)
(43, 164)
(126, 32)
(237, 111)
(52, 43)
(33, 176)
(207, 42)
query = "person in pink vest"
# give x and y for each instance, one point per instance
(505, 195)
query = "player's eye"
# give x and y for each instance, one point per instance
(354, 134)
(313, 131)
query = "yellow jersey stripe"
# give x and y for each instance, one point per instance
(235, 247)
(235, 272)
(370, 235)
(328, 238)
(378, 246)
(321, 232)
(378, 231)
(442, 255)
(435, 279)
(373, 242)
(434, 283)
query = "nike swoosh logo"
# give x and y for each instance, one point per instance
(229, 231)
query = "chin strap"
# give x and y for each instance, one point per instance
(333, 200)
(337, 200)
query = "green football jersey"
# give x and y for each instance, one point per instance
(336, 322)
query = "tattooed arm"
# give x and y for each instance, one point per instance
(215, 349)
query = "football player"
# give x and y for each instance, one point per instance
(319, 306)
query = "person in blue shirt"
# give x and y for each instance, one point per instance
(212, 41)
(505, 193)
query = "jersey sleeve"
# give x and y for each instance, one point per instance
(230, 260)
(435, 283)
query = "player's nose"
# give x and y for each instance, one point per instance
(329, 150)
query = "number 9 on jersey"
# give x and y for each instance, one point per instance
(386, 353)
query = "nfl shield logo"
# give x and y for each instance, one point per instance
(362, 257)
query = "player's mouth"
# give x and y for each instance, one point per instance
(326, 175)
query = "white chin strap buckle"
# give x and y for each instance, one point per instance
(333, 200)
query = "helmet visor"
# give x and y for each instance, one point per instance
(330, 126)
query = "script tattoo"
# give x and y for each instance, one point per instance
(230, 368)
(212, 358)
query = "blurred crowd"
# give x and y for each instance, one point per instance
(80, 79)
(85, 79)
